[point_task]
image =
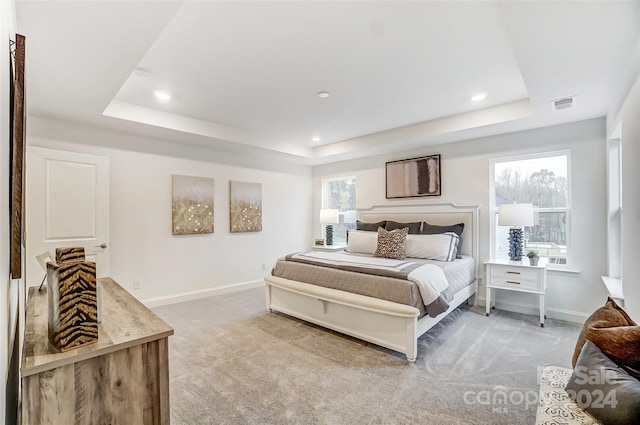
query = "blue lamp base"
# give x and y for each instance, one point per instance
(516, 241)
(329, 238)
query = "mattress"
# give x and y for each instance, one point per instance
(459, 274)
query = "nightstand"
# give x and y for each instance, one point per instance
(520, 277)
(330, 248)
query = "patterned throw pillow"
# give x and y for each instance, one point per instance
(392, 244)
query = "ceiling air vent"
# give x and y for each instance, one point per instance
(564, 103)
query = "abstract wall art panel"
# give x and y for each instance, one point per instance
(192, 207)
(413, 177)
(245, 207)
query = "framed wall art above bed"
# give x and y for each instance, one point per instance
(413, 177)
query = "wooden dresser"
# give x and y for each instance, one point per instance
(121, 379)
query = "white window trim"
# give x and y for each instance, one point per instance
(493, 210)
(324, 195)
(614, 204)
(323, 201)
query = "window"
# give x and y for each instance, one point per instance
(614, 197)
(340, 193)
(542, 180)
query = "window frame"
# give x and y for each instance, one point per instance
(493, 209)
(614, 204)
(324, 200)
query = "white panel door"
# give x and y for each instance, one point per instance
(67, 205)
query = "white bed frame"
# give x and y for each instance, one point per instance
(385, 323)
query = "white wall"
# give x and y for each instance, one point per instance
(141, 243)
(8, 288)
(629, 117)
(465, 181)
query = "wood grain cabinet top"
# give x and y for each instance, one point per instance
(125, 322)
(123, 378)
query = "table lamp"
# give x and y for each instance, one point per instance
(329, 217)
(517, 216)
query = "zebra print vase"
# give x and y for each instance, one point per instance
(72, 298)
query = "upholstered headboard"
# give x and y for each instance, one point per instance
(439, 214)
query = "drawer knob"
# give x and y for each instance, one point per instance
(508, 272)
(511, 281)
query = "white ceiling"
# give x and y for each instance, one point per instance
(243, 75)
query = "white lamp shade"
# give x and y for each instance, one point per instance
(515, 215)
(328, 216)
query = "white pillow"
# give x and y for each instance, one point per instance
(362, 242)
(441, 247)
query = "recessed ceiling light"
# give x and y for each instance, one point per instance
(478, 97)
(315, 139)
(141, 72)
(161, 95)
(323, 94)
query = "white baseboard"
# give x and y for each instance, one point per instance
(203, 293)
(552, 313)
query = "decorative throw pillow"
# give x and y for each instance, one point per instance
(604, 389)
(432, 229)
(391, 244)
(441, 247)
(370, 227)
(612, 330)
(414, 228)
(362, 242)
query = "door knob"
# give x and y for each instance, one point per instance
(102, 245)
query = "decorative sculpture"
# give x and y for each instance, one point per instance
(72, 299)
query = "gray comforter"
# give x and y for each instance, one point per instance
(387, 284)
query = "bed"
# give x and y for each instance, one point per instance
(391, 324)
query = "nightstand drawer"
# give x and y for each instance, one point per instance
(514, 273)
(514, 282)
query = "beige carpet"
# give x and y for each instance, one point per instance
(231, 362)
